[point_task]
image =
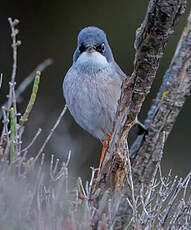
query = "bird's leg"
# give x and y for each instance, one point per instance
(104, 149)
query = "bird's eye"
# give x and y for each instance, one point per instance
(100, 48)
(82, 48)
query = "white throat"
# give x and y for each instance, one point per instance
(95, 60)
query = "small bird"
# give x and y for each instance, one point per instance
(92, 86)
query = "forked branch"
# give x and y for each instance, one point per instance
(150, 44)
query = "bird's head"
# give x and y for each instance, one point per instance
(92, 44)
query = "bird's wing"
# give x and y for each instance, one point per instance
(119, 71)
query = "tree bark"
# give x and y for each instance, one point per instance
(150, 43)
(175, 87)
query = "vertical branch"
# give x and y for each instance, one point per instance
(1, 79)
(15, 44)
(12, 135)
(14, 33)
(171, 97)
(12, 83)
(150, 44)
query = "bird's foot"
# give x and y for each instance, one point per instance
(139, 128)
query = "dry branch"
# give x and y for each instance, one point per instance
(175, 87)
(51, 132)
(150, 44)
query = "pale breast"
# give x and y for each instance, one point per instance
(92, 99)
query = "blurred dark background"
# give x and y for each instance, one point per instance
(49, 29)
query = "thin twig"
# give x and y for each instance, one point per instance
(32, 141)
(56, 166)
(5, 132)
(134, 203)
(15, 44)
(29, 79)
(69, 157)
(92, 180)
(81, 187)
(171, 202)
(51, 132)
(12, 83)
(12, 135)
(1, 79)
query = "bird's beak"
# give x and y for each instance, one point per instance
(90, 49)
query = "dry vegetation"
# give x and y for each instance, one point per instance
(35, 196)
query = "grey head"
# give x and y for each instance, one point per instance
(92, 39)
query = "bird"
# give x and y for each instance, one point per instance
(92, 85)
